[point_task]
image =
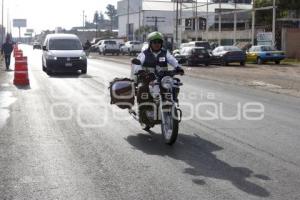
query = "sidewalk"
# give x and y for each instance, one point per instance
(284, 78)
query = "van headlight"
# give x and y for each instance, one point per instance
(82, 57)
(167, 82)
(51, 57)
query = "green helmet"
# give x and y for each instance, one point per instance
(155, 36)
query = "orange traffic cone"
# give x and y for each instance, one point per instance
(21, 71)
(18, 53)
(21, 58)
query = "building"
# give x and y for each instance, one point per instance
(233, 1)
(138, 17)
(2, 34)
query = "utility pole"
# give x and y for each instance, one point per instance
(253, 23)
(274, 24)
(220, 25)
(83, 19)
(196, 22)
(3, 32)
(155, 19)
(235, 22)
(207, 28)
(127, 26)
(139, 38)
(176, 24)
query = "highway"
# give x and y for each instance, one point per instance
(61, 139)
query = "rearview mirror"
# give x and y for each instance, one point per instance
(44, 48)
(136, 61)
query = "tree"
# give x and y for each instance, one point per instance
(142, 32)
(111, 12)
(96, 17)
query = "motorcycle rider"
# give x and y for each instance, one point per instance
(87, 47)
(153, 60)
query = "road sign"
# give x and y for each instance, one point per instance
(19, 22)
(264, 38)
(28, 34)
(29, 30)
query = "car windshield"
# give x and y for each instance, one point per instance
(231, 48)
(268, 48)
(65, 44)
(110, 42)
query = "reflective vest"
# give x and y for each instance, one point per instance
(155, 64)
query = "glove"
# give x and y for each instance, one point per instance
(151, 77)
(179, 70)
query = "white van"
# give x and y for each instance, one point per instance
(63, 53)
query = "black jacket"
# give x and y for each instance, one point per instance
(7, 48)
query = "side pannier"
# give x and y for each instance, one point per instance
(122, 92)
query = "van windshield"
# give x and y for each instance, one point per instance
(202, 44)
(199, 51)
(64, 44)
(110, 42)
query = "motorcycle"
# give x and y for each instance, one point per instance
(157, 98)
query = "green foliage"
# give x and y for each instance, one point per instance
(143, 31)
(111, 12)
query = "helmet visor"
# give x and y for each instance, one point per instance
(156, 41)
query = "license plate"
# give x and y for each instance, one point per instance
(68, 64)
(201, 56)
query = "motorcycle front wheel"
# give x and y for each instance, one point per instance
(169, 128)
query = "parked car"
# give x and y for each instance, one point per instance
(95, 47)
(204, 44)
(109, 46)
(145, 46)
(37, 45)
(95, 40)
(63, 53)
(131, 48)
(194, 56)
(225, 55)
(261, 54)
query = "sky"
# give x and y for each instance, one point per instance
(48, 14)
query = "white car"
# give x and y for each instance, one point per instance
(131, 48)
(109, 46)
(145, 46)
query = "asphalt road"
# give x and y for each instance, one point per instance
(61, 139)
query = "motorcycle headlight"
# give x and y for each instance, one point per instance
(167, 82)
